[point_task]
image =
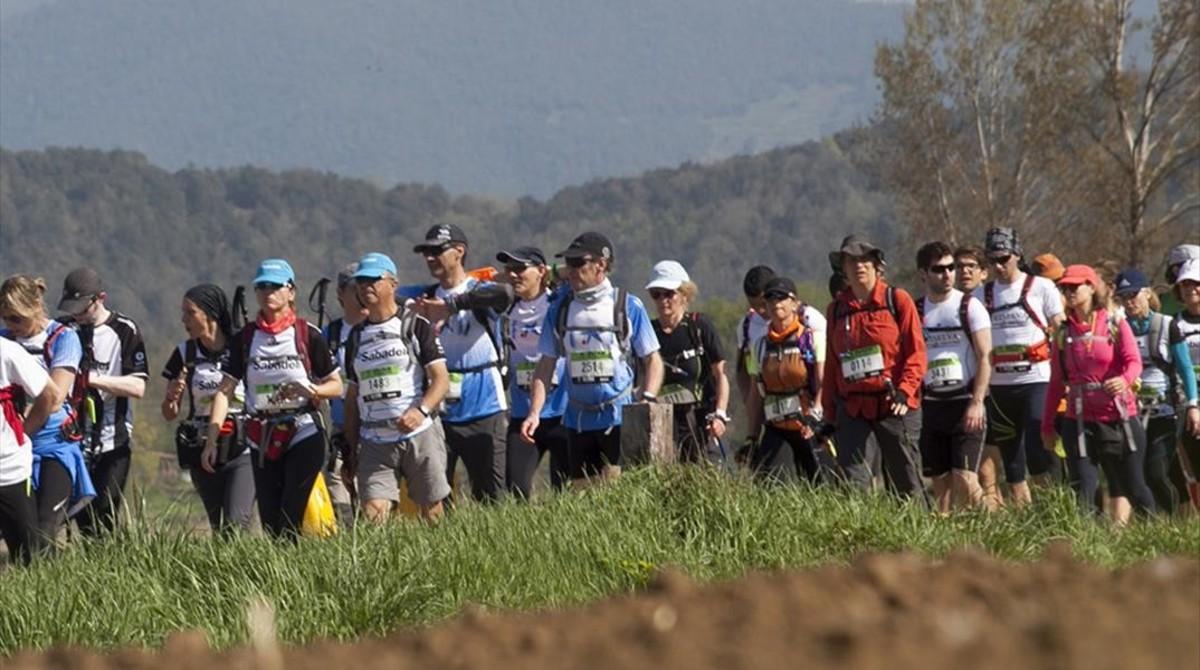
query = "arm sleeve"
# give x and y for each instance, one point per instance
(912, 348)
(1054, 392)
(485, 295)
(641, 335)
(1183, 360)
(235, 365)
(829, 384)
(133, 353)
(174, 365)
(431, 347)
(322, 361)
(68, 352)
(26, 370)
(977, 316)
(708, 337)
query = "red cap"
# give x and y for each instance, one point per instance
(1079, 274)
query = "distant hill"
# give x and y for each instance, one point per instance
(503, 97)
(153, 233)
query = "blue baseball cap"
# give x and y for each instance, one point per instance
(274, 271)
(375, 265)
(1131, 281)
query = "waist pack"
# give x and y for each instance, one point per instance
(189, 442)
(271, 435)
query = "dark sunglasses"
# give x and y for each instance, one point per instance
(578, 261)
(776, 297)
(434, 252)
(366, 281)
(661, 293)
(516, 268)
(941, 269)
(999, 260)
(270, 287)
(1069, 288)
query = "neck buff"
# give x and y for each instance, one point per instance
(788, 331)
(591, 295)
(279, 325)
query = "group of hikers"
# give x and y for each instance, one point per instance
(1005, 369)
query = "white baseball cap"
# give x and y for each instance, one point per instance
(1190, 270)
(669, 275)
(1183, 253)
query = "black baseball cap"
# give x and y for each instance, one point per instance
(526, 255)
(780, 287)
(79, 288)
(588, 244)
(441, 236)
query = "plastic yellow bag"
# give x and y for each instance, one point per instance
(319, 519)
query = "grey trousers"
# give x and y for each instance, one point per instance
(227, 494)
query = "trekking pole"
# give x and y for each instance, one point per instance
(318, 293)
(238, 308)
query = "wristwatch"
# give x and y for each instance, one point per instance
(424, 412)
(720, 414)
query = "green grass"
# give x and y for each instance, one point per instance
(139, 587)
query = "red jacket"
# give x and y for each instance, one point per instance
(857, 326)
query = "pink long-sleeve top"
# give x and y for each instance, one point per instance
(1093, 355)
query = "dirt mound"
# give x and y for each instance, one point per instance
(895, 611)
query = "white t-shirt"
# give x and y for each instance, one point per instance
(388, 371)
(18, 370)
(1013, 332)
(950, 354)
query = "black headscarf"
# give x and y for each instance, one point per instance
(212, 301)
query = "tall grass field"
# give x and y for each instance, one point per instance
(146, 582)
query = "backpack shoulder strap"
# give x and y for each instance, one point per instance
(300, 328)
(190, 353)
(746, 332)
(247, 337)
(560, 321)
(989, 296)
(891, 303)
(621, 315)
(1026, 288)
(335, 335)
(964, 317)
(350, 350)
(48, 347)
(1155, 340)
(921, 308)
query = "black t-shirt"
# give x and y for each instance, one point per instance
(689, 351)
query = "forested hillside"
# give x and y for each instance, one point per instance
(153, 233)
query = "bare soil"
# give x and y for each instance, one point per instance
(888, 611)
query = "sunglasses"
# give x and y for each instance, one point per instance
(972, 266)
(268, 287)
(941, 269)
(367, 281)
(1069, 288)
(578, 261)
(434, 252)
(661, 293)
(1000, 260)
(516, 268)
(776, 297)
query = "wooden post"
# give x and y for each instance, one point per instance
(648, 434)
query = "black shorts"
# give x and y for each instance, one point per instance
(590, 451)
(945, 446)
(1014, 416)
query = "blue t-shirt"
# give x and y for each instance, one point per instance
(599, 372)
(476, 388)
(65, 352)
(525, 322)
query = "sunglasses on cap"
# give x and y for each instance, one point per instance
(941, 269)
(1000, 260)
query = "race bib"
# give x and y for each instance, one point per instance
(862, 363)
(944, 371)
(380, 383)
(1011, 358)
(455, 392)
(592, 367)
(525, 374)
(677, 394)
(266, 398)
(778, 408)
